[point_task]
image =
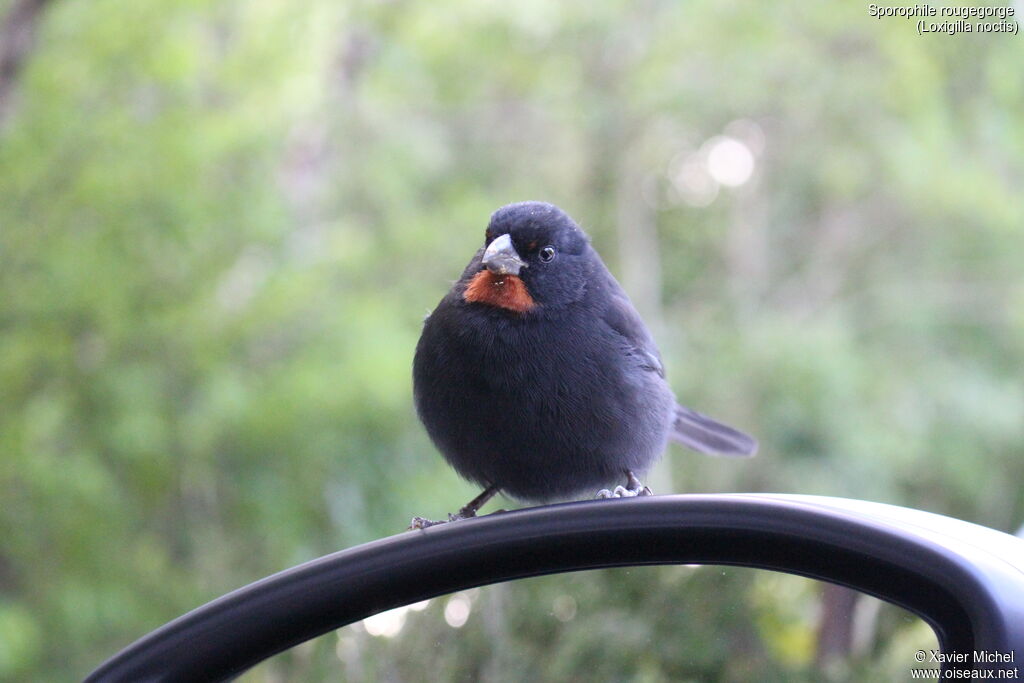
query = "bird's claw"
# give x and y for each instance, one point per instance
(468, 510)
(424, 523)
(634, 487)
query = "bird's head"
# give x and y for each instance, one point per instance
(533, 254)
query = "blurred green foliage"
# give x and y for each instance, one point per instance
(222, 223)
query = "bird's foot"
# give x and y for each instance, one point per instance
(423, 522)
(467, 511)
(634, 487)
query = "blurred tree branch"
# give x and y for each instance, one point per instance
(17, 36)
(835, 625)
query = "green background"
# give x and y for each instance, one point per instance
(221, 225)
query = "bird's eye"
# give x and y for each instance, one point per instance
(547, 254)
(488, 236)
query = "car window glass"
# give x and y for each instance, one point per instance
(659, 623)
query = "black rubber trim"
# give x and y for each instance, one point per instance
(966, 581)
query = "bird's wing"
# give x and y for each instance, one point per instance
(624, 320)
(690, 428)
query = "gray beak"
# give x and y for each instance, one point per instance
(501, 257)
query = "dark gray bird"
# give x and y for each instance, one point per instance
(536, 377)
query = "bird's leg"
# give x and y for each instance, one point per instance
(465, 512)
(633, 487)
(470, 509)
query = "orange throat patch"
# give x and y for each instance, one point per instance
(503, 291)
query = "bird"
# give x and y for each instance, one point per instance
(536, 377)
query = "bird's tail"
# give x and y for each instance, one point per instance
(705, 435)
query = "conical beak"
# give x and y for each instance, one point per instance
(501, 257)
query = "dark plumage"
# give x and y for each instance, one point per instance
(535, 375)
